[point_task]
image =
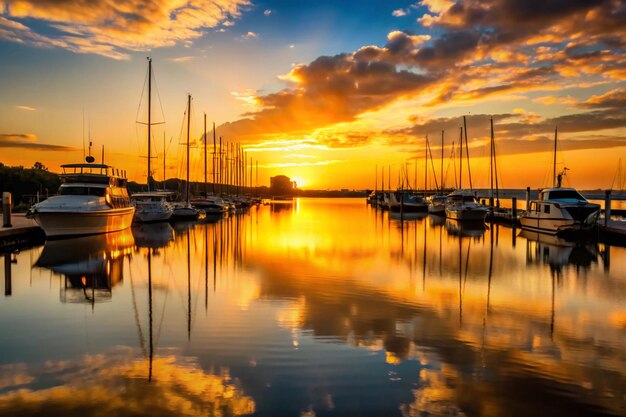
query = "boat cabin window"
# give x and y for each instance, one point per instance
(565, 195)
(546, 208)
(82, 191)
(534, 206)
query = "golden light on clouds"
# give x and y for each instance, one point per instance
(111, 28)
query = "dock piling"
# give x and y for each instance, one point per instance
(6, 209)
(514, 209)
(527, 198)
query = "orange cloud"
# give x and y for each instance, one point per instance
(111, 28)
(28, 141)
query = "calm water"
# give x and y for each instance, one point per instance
(320, 307)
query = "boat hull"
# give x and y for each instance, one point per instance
(553, 226)
(466, 214)
(438, 209)
(75, 223)
(185, 213)
(409, 208)
(153, 216)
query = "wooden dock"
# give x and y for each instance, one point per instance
(23, 233)
(614, 231)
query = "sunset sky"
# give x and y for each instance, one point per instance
(322, 91)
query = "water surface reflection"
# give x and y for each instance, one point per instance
(321, 307)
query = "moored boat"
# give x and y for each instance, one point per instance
(560, 210)
(463, 205)
(407, 202)
(211, 205)
(92, 199)
(152, 206)
(437, 204)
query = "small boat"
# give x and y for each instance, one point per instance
(92, 199)
(152, 206)
(407, 202)
(211, 205)
(463, 205)
(185, 211)
(560, 210)
(437, 204)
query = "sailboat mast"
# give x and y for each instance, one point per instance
(442, 179)
(461, 159)
(221, 166)
(188, 128)
(554, 181)
(164, 166)
(469, 172)
(376, 179)
(426, 166)
(491, 165)
(149, 117)
(205, 185)
(213, 159)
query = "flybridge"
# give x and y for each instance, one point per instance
(92, 169)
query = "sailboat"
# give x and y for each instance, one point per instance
(558, 209)
(184, 210)
(462, 204)
(151, 206)
(437, 202)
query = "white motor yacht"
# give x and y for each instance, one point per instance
(152, 206)
(560, 210)
(92, 199)
(463, 205)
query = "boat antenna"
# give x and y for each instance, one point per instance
(89, 158)
(559, 177)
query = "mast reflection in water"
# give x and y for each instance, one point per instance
(321, 307)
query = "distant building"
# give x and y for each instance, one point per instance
(281, 184)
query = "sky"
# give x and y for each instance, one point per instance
(330, 93)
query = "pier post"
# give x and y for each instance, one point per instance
(6, 209)
(514, 209)
(527, 198)
(7, 275)
(607, 207)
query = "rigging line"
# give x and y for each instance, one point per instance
(469, 171)
(453, 158)
(143, 89)
(156, 87)
(432, 164)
